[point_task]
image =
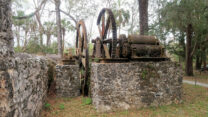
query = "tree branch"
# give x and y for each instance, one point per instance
(32, 14)
(68, 14)
(195, 46)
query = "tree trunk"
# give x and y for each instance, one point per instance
(58, 23)
(48, 43)
(182, 43)
(205, 63)
(204, 59)
(198, 62)
(41, 39)
(63, 37)
(18, 36)
(143, 16)
(189, 56)
(25, 41)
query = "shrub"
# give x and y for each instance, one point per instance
(86, 101)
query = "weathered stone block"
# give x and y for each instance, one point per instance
(23, 86)
(23, 78)
(67, 81)
(118, 86)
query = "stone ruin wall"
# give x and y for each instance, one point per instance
(118, 86)
(23, 78)
(23, 86)
(67, 81)
(6, 36)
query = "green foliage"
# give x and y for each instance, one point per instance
(86, 101)
(18, 49)
(21, 22)
(72, 50)
(33, 47)
(122, 17)
(47, 106)
(61, 107)
(50, 28)
(67, 25)
(144, 74)
(91, 45)
(173, 18)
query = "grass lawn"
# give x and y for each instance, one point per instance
(200, 77)
(195, 104)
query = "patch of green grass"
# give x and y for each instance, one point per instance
(86, 101)
(47, 106)
(61, 107)
(126, 112)
(164, 108)
(67, 99)
(207, 110)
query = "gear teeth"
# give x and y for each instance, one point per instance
(111, 20)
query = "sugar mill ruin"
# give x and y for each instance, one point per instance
(123, 72)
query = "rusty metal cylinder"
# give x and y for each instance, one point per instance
(142, 39)
(147, 50)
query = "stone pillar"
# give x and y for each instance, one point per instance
(118, 86)
(67, 81)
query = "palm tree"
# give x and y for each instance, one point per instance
(143, 16)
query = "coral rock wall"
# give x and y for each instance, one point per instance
(23, 86)
(135, 85)
(67, 81)
(23, 78)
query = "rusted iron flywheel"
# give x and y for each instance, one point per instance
(82, 54)
(106, 27)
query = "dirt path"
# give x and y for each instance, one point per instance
(193, 83)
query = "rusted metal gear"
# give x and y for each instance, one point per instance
(105, 29)
(83, 55)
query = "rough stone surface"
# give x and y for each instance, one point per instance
(23, 78)
(67, 81)
(118, 86)
(6, 37)
(23, 85)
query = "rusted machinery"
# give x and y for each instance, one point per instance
(81, 56)
(109, 48)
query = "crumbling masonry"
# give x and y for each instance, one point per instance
(23, 78)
